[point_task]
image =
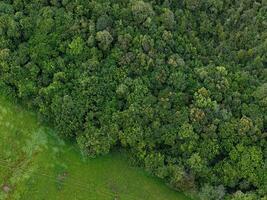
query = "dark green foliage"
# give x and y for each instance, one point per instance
(182, 84)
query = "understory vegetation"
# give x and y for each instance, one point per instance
(181, 84)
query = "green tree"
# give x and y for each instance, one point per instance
(104, 39)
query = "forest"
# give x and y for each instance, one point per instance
(180, 84)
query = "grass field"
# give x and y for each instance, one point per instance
(35, 164)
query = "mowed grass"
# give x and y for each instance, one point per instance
(36, 164)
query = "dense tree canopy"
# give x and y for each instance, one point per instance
(182, 84)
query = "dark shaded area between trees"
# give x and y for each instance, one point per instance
(182, 84)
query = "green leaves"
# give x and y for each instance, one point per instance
(95, 141)
(181, 84)
(196, 163)
(168, 19)
(141, 11)
(203, 100)
(105, 39)
(76, 46)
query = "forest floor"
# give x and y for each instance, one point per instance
(36, 164)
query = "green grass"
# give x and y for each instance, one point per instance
(36, 164)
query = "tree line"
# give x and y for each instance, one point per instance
(181, 84)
